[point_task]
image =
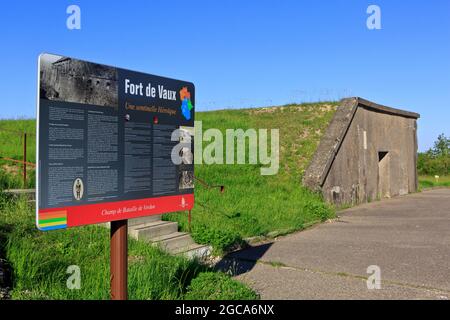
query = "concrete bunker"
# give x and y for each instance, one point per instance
(368, 152)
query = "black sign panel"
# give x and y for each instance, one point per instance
(107, 138)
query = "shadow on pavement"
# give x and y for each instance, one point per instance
(242, 261)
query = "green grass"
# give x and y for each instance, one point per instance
(10, 180)
(253, 205)
(216, 286)
(11, 137)
(276, 264)
(431, 182)
(40, 259)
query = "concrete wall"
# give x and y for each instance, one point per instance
(357, 175)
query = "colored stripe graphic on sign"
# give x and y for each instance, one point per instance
(53, 220)
(67, 217)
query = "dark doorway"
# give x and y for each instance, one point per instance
(384, 176)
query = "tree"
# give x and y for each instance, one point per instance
(436, 161)
(441, 147)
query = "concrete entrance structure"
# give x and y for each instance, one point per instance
(368, 152)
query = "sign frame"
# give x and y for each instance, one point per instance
(89, 213)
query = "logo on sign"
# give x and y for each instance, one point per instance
(183, 203)
(78, 189)
(186, 105)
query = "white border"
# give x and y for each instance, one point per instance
(38, 163)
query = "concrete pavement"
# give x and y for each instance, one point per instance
(407, 237)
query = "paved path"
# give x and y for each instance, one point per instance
(407, 237)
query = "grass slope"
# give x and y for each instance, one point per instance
(252, 205)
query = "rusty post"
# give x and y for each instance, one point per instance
(25, 160)
(119, 260)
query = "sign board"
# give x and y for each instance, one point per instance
(106, 138)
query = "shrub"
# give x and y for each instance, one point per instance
(435, 161)
(428, 164)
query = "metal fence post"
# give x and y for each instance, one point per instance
(25, 160)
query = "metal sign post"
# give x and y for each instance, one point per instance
(119, 260)
(25, 160)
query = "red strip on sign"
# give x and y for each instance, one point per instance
(121, 210)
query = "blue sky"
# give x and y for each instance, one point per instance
(246, 53)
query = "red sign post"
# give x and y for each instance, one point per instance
(119, 260)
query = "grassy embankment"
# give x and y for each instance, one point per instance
(40, 260)
(255, 205)
(252, 205)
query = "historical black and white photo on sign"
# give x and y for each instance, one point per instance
(71, 80)
(187, 137)
(186, 180)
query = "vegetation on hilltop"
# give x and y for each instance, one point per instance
(436, 161)
(255, 205)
